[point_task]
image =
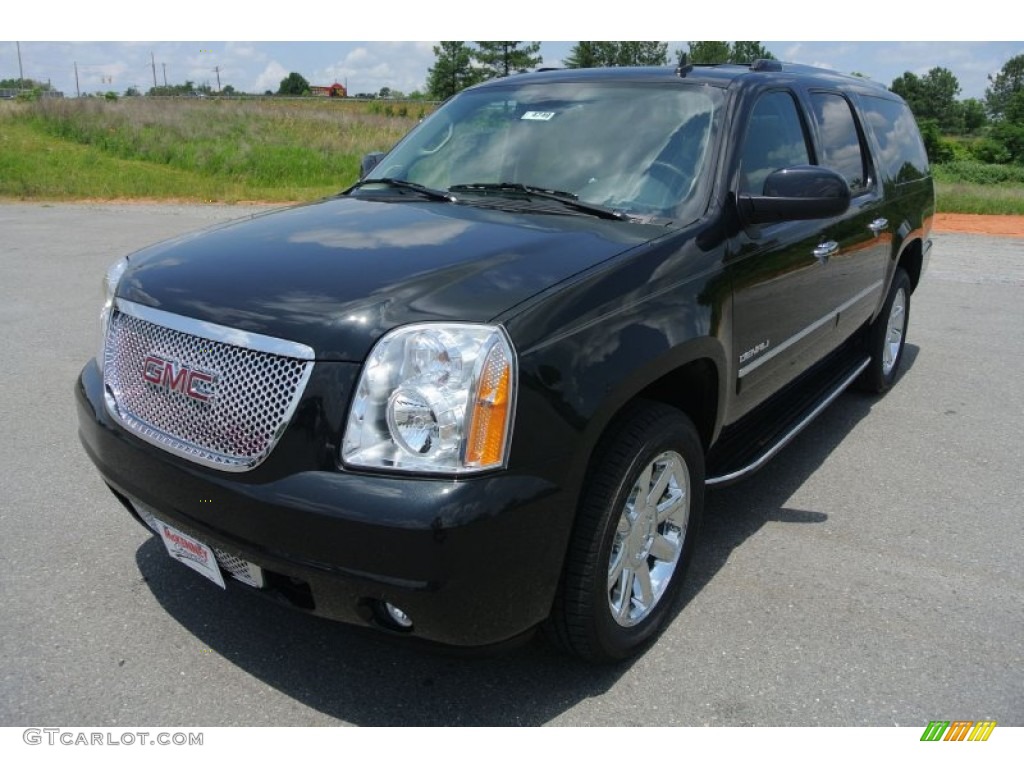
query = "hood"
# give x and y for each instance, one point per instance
(339, 273)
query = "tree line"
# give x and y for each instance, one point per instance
(991, 130)
(459, 65)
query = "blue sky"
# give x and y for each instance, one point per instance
(137, 32)
(370, 66)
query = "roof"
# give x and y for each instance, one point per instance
(719, 74)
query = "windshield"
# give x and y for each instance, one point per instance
(638, 148)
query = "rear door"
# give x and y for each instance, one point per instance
(862, 238)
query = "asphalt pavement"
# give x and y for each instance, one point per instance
(872, 574)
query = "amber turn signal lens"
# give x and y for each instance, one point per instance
(488, 423)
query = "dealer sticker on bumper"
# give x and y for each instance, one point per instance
(192, 553)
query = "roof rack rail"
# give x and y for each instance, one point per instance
(766, 65)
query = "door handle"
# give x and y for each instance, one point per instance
(878, 225)
(825, 250)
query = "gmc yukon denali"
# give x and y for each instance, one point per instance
(483, 390)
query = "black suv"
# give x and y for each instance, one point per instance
(485, 388)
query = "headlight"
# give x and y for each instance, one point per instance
(434, 398)
(110, 281)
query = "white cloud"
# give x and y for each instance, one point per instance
(368, 68)
(270, 79)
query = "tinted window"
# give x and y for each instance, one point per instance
(775, 139)
(640, 149)
(840, 144)
(903, 156)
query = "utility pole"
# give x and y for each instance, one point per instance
(217, 70)
(21, 72)
(78, 93)
(164, 65)
(152, 61)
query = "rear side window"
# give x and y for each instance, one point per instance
(841, 149)
(903, 157)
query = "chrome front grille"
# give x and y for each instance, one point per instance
(215, 395)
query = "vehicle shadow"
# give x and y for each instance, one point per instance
(362, 677)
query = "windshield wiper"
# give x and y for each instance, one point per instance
(567, 199)
(433, 194)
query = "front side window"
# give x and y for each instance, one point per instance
(774, 139)
(840, 142)
(639, 148)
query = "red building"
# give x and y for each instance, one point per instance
(331, 91)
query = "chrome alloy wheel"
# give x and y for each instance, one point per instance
(894, 332)
(648, 539)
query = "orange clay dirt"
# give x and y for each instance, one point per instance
(978, 224)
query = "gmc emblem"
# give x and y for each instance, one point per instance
(177, 377)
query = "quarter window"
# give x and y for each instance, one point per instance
(903, 157)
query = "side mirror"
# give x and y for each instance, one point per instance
(800, 192)
(368, 163)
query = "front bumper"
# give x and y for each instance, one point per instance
(472, 562)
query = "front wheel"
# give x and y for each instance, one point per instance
(634, 536)
(887, 337)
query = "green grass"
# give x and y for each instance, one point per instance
(192, 150)
(962, 197)
(967, 186)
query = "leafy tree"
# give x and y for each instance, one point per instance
(384, 93)
(642, 53)
(748, 51)
(503, 57)
(584, 55)
(293, 85)
(709, 52)
(452, 71)
(939, 151)
(132, 91)
(973, 113)
(622, 53)
(721, 52)
(1007, 82)
(932, 97)
(228, 90)
(27, 84)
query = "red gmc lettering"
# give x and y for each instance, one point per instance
(193, 377)
(167, 373)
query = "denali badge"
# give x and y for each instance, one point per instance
(755, 351)
(177, 377)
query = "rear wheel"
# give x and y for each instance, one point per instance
(887, 337)
(634, 536)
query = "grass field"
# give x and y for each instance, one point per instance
(193, 150)
(275, 150)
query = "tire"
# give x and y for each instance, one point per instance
(887, 336)
(606, 609)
